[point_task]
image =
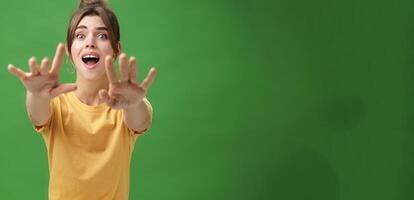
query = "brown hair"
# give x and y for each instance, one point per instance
(95, 8)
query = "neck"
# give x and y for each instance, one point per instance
(88, 90)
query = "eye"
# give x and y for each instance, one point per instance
(102, 36)
(80, 36)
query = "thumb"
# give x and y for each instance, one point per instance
(63, 88)
(16, 71)
(103, 94)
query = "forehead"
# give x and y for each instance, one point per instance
(91, 22)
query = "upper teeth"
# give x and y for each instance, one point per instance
(90, 56)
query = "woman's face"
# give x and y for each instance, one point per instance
(90, 46)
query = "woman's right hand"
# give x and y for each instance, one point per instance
(42, 81)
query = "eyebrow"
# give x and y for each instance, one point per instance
(97, 28)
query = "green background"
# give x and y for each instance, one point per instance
(254, 99)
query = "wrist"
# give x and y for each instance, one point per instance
(135, 106)
(37, 96)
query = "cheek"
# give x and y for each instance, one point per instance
(74, 49)
(106, 48)
(109, 52)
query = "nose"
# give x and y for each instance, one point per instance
(90, 45)
(90, 42)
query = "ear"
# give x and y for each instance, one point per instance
(67, 54)
(67, 50)
(119, 47)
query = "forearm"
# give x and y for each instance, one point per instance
(138, 117)
(38, 108)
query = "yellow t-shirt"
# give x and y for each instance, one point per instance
(89, 150)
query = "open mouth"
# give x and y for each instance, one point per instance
(90, 60)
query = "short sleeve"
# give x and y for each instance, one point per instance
(46, 127)
(140, 132)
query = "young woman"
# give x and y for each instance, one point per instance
(89, 127)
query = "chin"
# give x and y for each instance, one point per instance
(92, 75)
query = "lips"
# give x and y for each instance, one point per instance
(90, 60)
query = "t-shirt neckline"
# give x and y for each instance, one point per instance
(73, 98)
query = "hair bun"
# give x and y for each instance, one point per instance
(85, 3)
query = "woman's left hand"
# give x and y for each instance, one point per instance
(125, 92)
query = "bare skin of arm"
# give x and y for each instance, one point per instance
(42, 85)
(127, 94)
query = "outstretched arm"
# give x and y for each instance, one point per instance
(42, 85)
(127, 95)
